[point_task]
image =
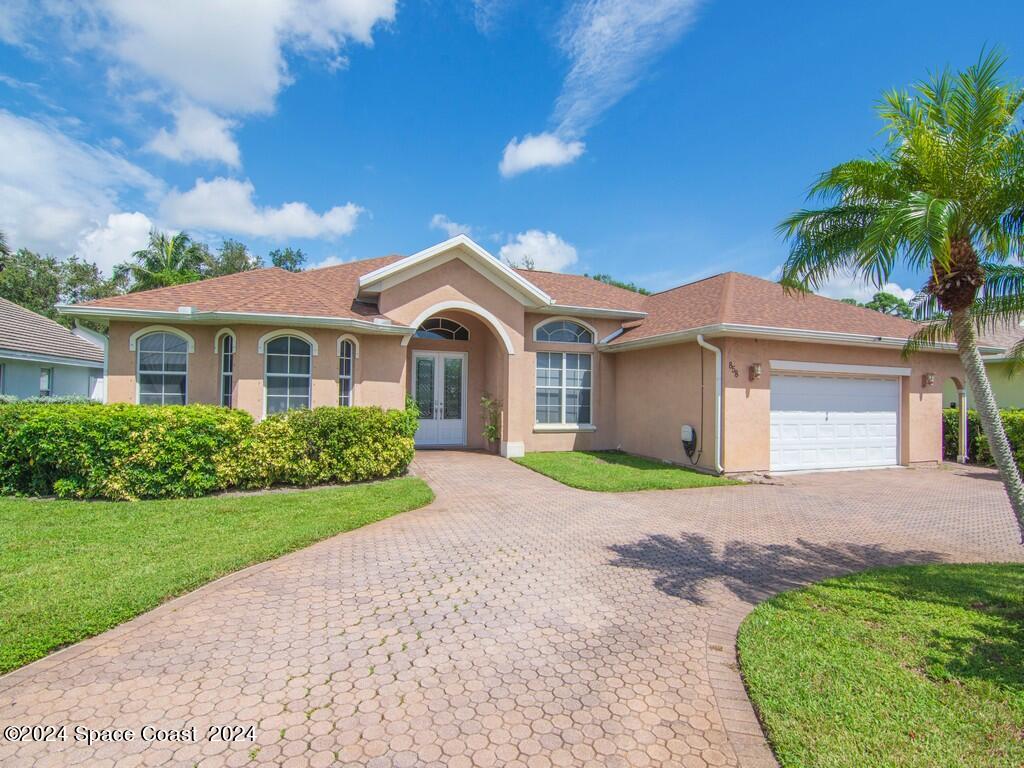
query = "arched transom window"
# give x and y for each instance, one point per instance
(565, 331)
(162, 369)
(288, 374)
(442, 328)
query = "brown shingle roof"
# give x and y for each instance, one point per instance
(22, 330)
(580, 291)
(328, 292)
(731, 297)
(741, 299)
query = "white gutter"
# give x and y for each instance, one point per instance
(32, 357)
(570, 309)
(718, 400)
(262, 318)
(784, 334)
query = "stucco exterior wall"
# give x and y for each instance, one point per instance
(746, 438)
(1009, 390)
(379, 367)
(21, 378)
(657, 391)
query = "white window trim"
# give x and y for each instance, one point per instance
(261, 345)
(134, 338)
(3, 378)
(264, 340)
(559, 318)
(47, 371)
(352, 371)
(217, 337)
(469, 334)
(163, 329)
(355, 344)
(565, 426)
(220, 367)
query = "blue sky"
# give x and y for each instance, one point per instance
(657, 140)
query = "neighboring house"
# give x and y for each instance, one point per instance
(1006, 386)
(766, 380)
(41, 357)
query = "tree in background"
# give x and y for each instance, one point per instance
(4, 249)
(232, 257)
(167, 260)
(288, 258)
(946, 195)
(39, 283)
(886, 303)
(601, 277)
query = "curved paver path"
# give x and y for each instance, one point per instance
(514, 622)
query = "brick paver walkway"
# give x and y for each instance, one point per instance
(514, 622)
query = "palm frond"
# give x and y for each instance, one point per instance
(929, 335)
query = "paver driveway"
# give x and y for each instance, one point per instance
(514, 622)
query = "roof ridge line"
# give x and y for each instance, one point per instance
(725, 306)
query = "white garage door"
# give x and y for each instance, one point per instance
(834, 422)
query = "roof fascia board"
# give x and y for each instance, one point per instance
(783, 334)
(251, 318)
(31, 357)
(394, 273)
(609, 312)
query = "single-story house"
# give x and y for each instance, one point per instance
(729, 373)
(1006, 386)
(41, 357)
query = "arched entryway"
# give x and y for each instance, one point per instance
(458, 357)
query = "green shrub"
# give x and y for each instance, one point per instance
(323, 445)
(115, 451)
(58, 400)
(978, 450)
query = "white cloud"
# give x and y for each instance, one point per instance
(198, 135)
(849, 287)
(543, 149)
(227, 205)
(542, 250)
(115, 241)
(609, 44)
(330, 261)
(56, 190)
(449, 227)
(232, 57)
(487, 13)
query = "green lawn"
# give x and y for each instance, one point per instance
(918, 666)
(72, 569)
(616, 471)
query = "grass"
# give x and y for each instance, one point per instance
(616, 471)
(72, 569)
(912, 667)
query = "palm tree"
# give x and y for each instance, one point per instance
(945, 195)
(167, 260)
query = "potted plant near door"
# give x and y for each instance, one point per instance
(492, 420)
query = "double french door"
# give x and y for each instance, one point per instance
(439, 388)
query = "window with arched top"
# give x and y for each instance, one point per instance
(288, 373)
(442, 328)
(227, 368)
(564, 331)
(162, 369)
(346, 358)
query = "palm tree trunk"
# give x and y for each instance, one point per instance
(988, 412)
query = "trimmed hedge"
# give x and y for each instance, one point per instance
(977, 450)
(323, 445)
(125, 451)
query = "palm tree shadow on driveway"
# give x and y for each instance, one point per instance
(685, 566)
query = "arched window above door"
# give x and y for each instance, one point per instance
(442, 328)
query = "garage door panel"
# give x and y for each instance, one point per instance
(823, 422)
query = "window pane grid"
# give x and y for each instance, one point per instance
(287, 374)
(345, 373)
(162, 369)
(563, 388)
(227, 368)
(565, 332)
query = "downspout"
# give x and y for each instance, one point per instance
(718, 400)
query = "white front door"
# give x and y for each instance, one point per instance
(439, 388)
(834, 422)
